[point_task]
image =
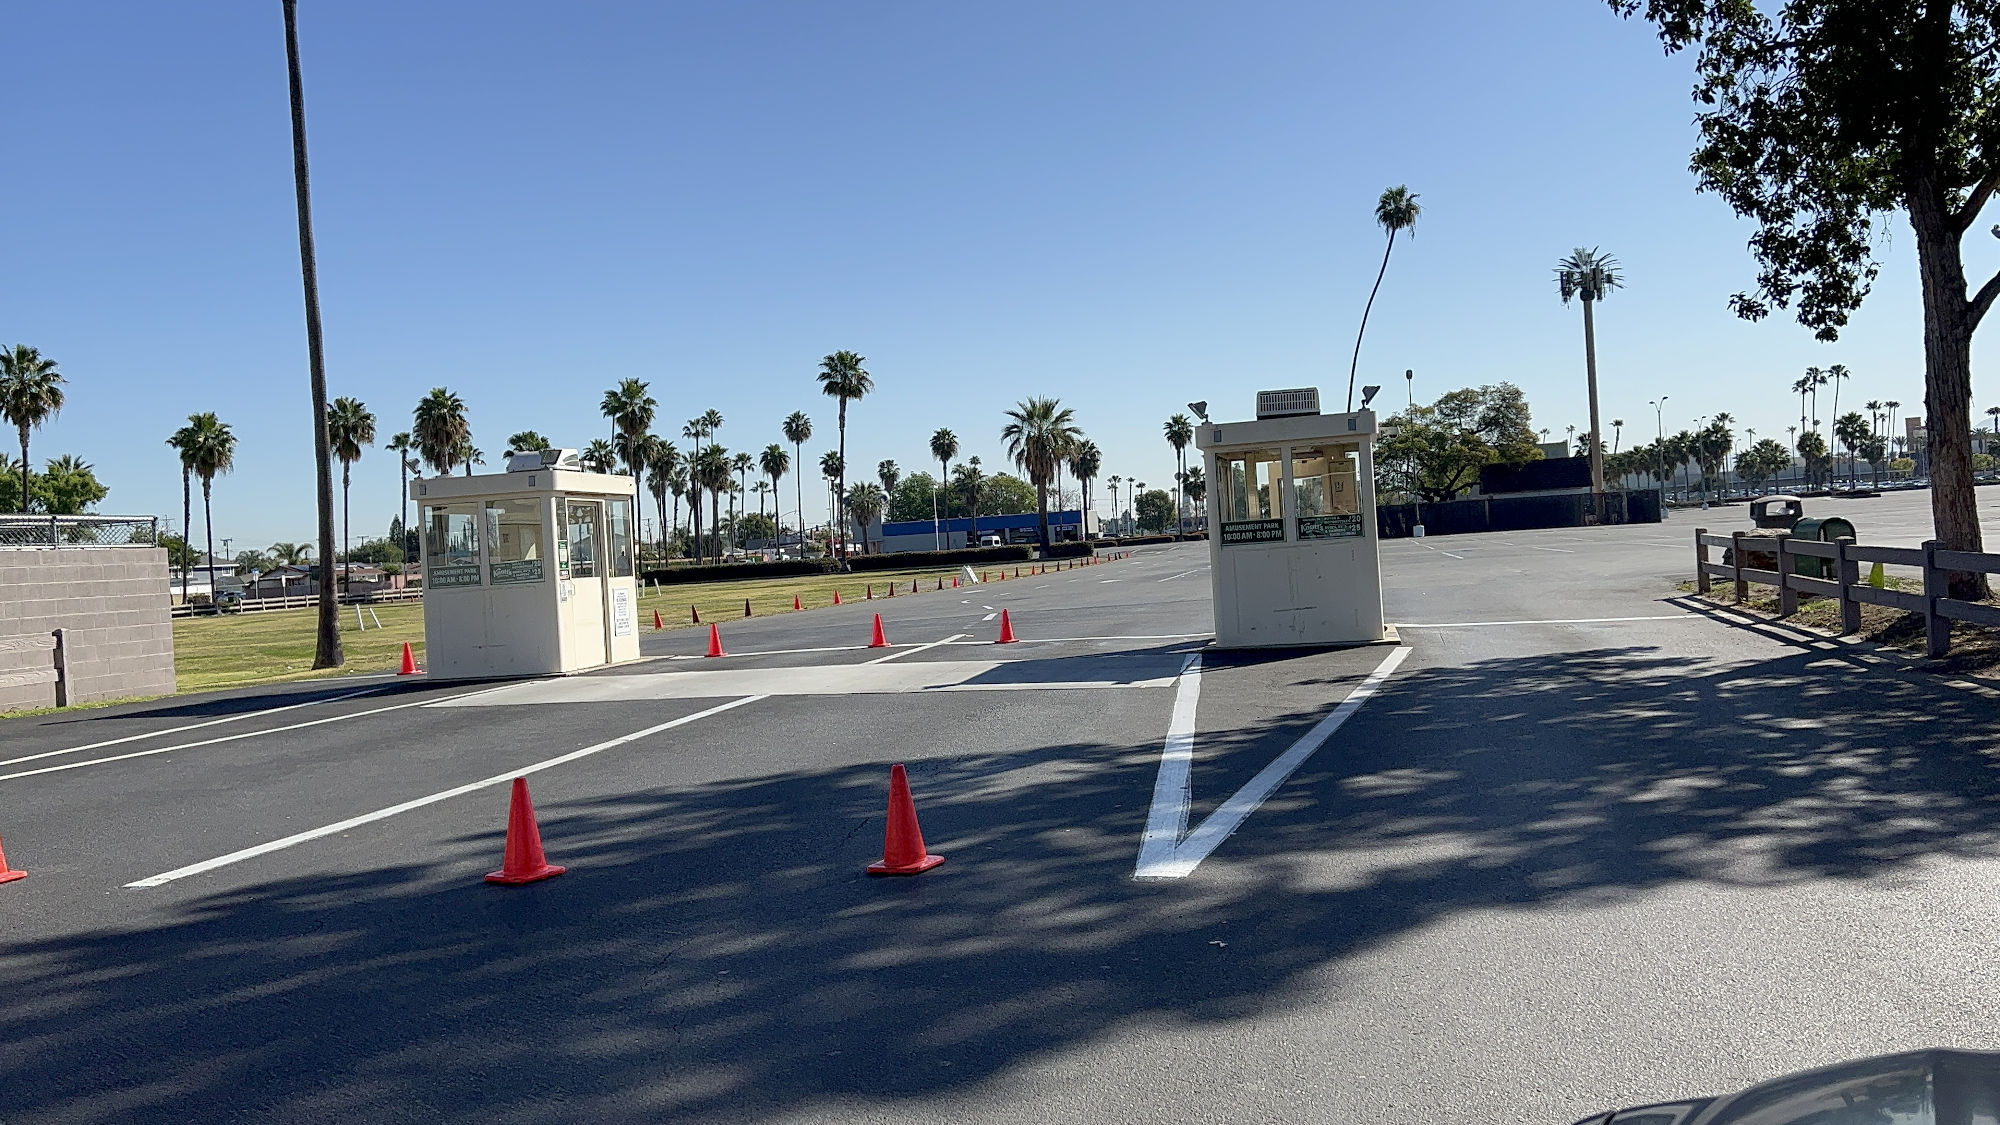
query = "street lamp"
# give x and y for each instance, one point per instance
(1410, 384)
(1659, 405)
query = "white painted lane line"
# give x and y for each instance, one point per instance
(1556, 550)
(1183, 857)
(238, 737)
(913, 649)
(784, 651)
(989, 617)
(393, 810)
(1182, 574)
(1441, 551)
(1558, 621)
(189, 727)
(1166, 823)
(1083, 640)
(1043, 586)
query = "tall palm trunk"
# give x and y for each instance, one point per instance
(187, 525)
(208, 534)
(403, 468)
(1042, 510)
(694, 518)
(715, 517)
(327, 651)
(799, 491)
(24, 468)
(840, 491)
(1379, 274)
(1590, 366)
(346, 531)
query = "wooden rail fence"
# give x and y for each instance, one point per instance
(1934, 605)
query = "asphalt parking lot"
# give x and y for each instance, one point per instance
(1572, 845)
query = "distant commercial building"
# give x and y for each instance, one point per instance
(951, 534)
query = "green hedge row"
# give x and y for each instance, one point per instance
(1068, 550)
(913, 560)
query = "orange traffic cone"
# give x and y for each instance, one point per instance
(880, 641)
(913, 585)
(903, 851)
(657, 623)
(8, 874)
(871, 592)
(715, 641)
(940, 583)
(746, 607)
(525, 862)
(409, 667)
(796, 603)
(836, 597)
(695, 613)
(954, 581)
(1006, 629)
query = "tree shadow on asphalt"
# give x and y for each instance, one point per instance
(716, 954)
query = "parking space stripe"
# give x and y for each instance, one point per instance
(191, 726)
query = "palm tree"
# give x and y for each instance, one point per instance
(1617, 433)
(1874, 414)
(1084, 464)
(1040, 433)
(1591, 276)
(1195, 487)
(865, 502)
(799, 430)
(1816, 378)
(526, 441)
(1804, 385)
(776, 463)
(1114, 482)
(327, 651)
(441, 431)
(712, 471)
(944, 447)
(288, 554)
(214, 455)
(1993, 412)
(1891, 406)
(743, 463)
(890, 474)
(401, 445)
(1852, 431)
(31, 393)
(842, 378)
(699, 428)
(831, 469)
(470, 455)
(183, 443)
(973, 478)
(1180, 431)
(665, 459)
(631, 412)
(349, 428)
(1397, 210)
(1837, 374)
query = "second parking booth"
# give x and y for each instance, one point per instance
(529, 572)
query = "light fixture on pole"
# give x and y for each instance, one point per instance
(1200, 409)
(1368, 394)
(1410, 383)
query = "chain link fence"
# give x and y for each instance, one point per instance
(79, 531)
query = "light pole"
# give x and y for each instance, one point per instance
(1410, 384)
(1659, 406)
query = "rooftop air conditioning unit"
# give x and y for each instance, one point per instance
(534, 460)
(1286, 404)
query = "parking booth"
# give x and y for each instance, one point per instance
(1293, 540)
(529, 572)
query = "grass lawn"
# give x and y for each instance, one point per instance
(238, 650)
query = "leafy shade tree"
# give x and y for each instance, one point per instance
(1155, 511)
(1396, 210)
(350, 428)
(998, 494)
(327, 651)
(68, 486)
(1589, 276)
(526, 441)
(843, 378)
(775, 463)
(441, 430)
(916, 496)
(1039, 434)
(1498, 413)
(1817, 119)
(1429, 456)
(631, 410)
(1179, 431)
(214, 454)
(798, 430)
(180, 556)
(865, 504)
(944, 447)
(31, 393)
(756, 526)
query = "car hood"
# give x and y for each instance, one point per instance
(1931, 1087)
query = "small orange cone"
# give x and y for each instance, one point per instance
(715, 641)
(525, 862)
(954, 581)
(797, 604)
(903, 851)
(836, 597)
(8, 874)
(746, 607)
(657, 623)
(1006, 629)
(880, 641)
(409, 661)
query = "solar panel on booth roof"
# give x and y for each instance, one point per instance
(1279, 404)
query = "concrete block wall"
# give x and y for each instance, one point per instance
(113, 603)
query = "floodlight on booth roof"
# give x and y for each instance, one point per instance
(1368, 394)
(1200, 409)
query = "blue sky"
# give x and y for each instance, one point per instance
(1128, 205)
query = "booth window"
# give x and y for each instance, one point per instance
(584, 537)
(1327, 482)
(1250, 496)
(514, 550)
(451, 546)
(618, 521)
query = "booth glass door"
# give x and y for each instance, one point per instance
(588, 561)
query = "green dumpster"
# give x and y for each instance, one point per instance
(1824, 529)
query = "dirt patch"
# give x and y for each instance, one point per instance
(1975, 649)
